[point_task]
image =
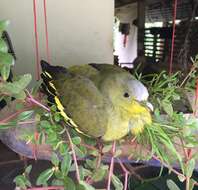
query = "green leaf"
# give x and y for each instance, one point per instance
(118, 152)
(57, 117)
(59, 175)
(19, 106)
(99, 174)
(83, 149)
(52, 137)
(53, 108)
(17, 86)
(6, 59)
(94, 152)
(76, 140)
(36, 87)
(84, 186)
(44, 177)
(41, 137)
(54, 159)
(22, 181)
(84, 173)
(5, 72)
(25, 115)
(72, 168)
(117, 183)
(63, 148)
(45, 124)
(79, 152)
(181, 178)
(192, 184)
(171, 185)
(3, 46)
(91, 163)
(106, 148)
(168, 108)
(66, 164)
(20, 96)
(57, 182)
(28, 170)
(69, 183)
(3, 25)
(81, 172)
(8, 125)
(190, 167)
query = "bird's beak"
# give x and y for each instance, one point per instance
(150, 106)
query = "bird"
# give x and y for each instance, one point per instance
(98, 100)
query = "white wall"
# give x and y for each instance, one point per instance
(80, 32)
(127, 14)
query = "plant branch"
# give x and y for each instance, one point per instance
(8, 118)
(193, 68)
(74, 155)
(88, 146)
(111, 166)
(126, 174)
(167, 166)
(133, 171)
(34, 101)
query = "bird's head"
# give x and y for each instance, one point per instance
(130, 97)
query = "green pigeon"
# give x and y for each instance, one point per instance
(98, 100)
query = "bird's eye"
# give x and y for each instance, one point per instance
(126, 95)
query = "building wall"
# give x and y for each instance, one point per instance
(126, 14)
(80, 32)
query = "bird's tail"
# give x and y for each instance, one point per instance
(52, 71)
(49, 74)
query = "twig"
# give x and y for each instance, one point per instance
(184, 149)
(34, 101)
(166, 165)
(132, 171)
(111, 166)
(187, 183)
(8, 118)
(10, 162)
(88, 146)
(193, 68)
(126, 174)
(140, 167)
(27, 122)
(74, 156)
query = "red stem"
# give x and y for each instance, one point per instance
(173, 38)
(34, 101)
(111, 166)
(74, 156)
(166, 165)
(89, 146)
(36, 41)
(46, 31)
(126, 174)
(7, 119)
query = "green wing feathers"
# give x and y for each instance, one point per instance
(75, 95)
